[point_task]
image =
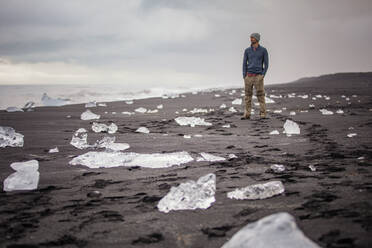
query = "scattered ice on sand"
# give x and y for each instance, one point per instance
(326, 112)
(100, 127)
(48, 101)
(192, 121)
(187, 136)
(108, 159)
(143, 130)
(226, 126)
(110, 145)
(79, 139)
(9, 137)
(232, 109)
(53, 150)
(211, 157)
(129, 102)
(257, 191)
(339, 111)
(291, 127)
(26, 176)
(277, 230)
(29, 106)
(350, 135)
(312, 167)
(274, 132)
(277, 168)
(160, 106)
(278, 111)
(292, 95)
(190, 195)
(292, 113)
(237, 101)
(91, 104)
(141, 110)
(232, 155)
(223, 106)
(198, 110)
(14, 109)
(89, 115)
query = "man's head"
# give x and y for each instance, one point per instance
(255, 38)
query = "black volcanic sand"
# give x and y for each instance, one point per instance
(332, 205)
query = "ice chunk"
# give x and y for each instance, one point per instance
(318, 96)
(29, 106)
(127, 113)
(257, 191)
(91, 104)
(160, 106)
(223, 106)
(217, 95)
(350, 135)
(237, 101)
(274, 132)
(100, 127)
(9, 137)
(231, 155)
(326, 112)
(232, 109)
(311, 106)
(226, 126)
(277, 111)
(14, 109)
(211, 157)
(192, 121)
(291, 127)
(339, 111)
(109, 143)
(48, 101)
(53, 150)
(143, 130)
(26, 176)
(277, 230)
(190, 195)
(187, 136)
(277, 168)
(141, 110)
(115, 159)
(152, 111)
(198, 110)
(269, 100)
(79, 139)
(129, 102)
(312, 167)
(292, 113)
(102, 104)
(89, 115)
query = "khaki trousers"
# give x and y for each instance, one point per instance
(258, 83)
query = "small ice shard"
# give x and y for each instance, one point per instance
(311, 106)
(192, 121)
(89, 115)
(339, 111)
(190, 195)
(141, 110)
(314, 98)
(292, 113)
(223, 106)
(284, 108)
(354, 96)
(100, 127)
(187, 136)
(257, 191)
(343, 96)
(127, 113)
(231, 156)
(68, 116)
(303, 96)
(326, 112)
(48, 101)
(217, 95)
(211, 157)
(198, 135)
(198, 110)
(232, 109)
(14, 109)
(108, 159)
(277, 230)
(347, 99)
(277, 168)
(129, 102)
(149, 111)
(304, 111)
(91, 104)
(79, 139)
(268, 100)
(177, 112)
(160, 106)
(277, 111)
(350, 135)
(109, 143)
(184, 110)
(226, 126)
(143, 130)
(361, 158)
(237, 101)
(318, 96)
(274, 132)
(114, 113)
(29, 106)
(291, 127)
(26, 176)
(53, 150)
(327, 98)
(312, 167)
(9, 137)
(102, 104)
(256, 104)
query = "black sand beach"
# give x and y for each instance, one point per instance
(332, 205)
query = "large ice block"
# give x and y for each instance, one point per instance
(8, 137)
(257, 191)
(26, 176)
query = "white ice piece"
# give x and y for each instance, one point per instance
(257, 191)
(350, 135)
(339, 111)
(291, 127)
(141, 110)
(110, 145)
(48, 101)
(53, 150)
(127, 113)
(198, 110)
(89, 115)
(269, 100)
(9, 137)
(232, 109)
(101, 127)
(91, 104)
(223, 106)
(277, 111)
(14, 109)
(143, 130)
(312, 167)
(149, 111)
(26, 176)
(274, 132)
(277, 168)
(211, 157)
(311, 106)
(129, 102)
(160, 106)
(277, 230)
(102, 104)
(192, 121)
(79, 139)
(232, 155)
(326, 112)
(186, 136)
(292, 113)
(226, 126)
(190, 195)
(29, 106)
(237, 101)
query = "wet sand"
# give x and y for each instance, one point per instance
(332, 205)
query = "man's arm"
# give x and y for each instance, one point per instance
(266, 62)
(245, 59)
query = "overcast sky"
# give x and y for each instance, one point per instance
(179, 42)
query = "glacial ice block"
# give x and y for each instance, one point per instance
(48, 101)
(89, 115)
(26, 176)
(192, 121)
(100, 127)
(14, 109)
(8, 137)
(257, 191)
(110, 145)
(79, 139)
(115, 159)
(210, 157)
(277, 230)
(190, 195)
(291, 127)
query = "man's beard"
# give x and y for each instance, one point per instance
(253, 42)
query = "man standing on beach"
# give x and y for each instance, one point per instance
(255, 65)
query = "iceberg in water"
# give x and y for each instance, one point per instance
(277, 230)
(190, 195)
(257, 191)
(48, 101)
(100, 127)
(291, 127)
(89, 115)
(192, 121)
(26, 176)
(79, 139)
(8, 137)
(108, 159)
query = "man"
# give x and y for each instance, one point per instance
(253, 73)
